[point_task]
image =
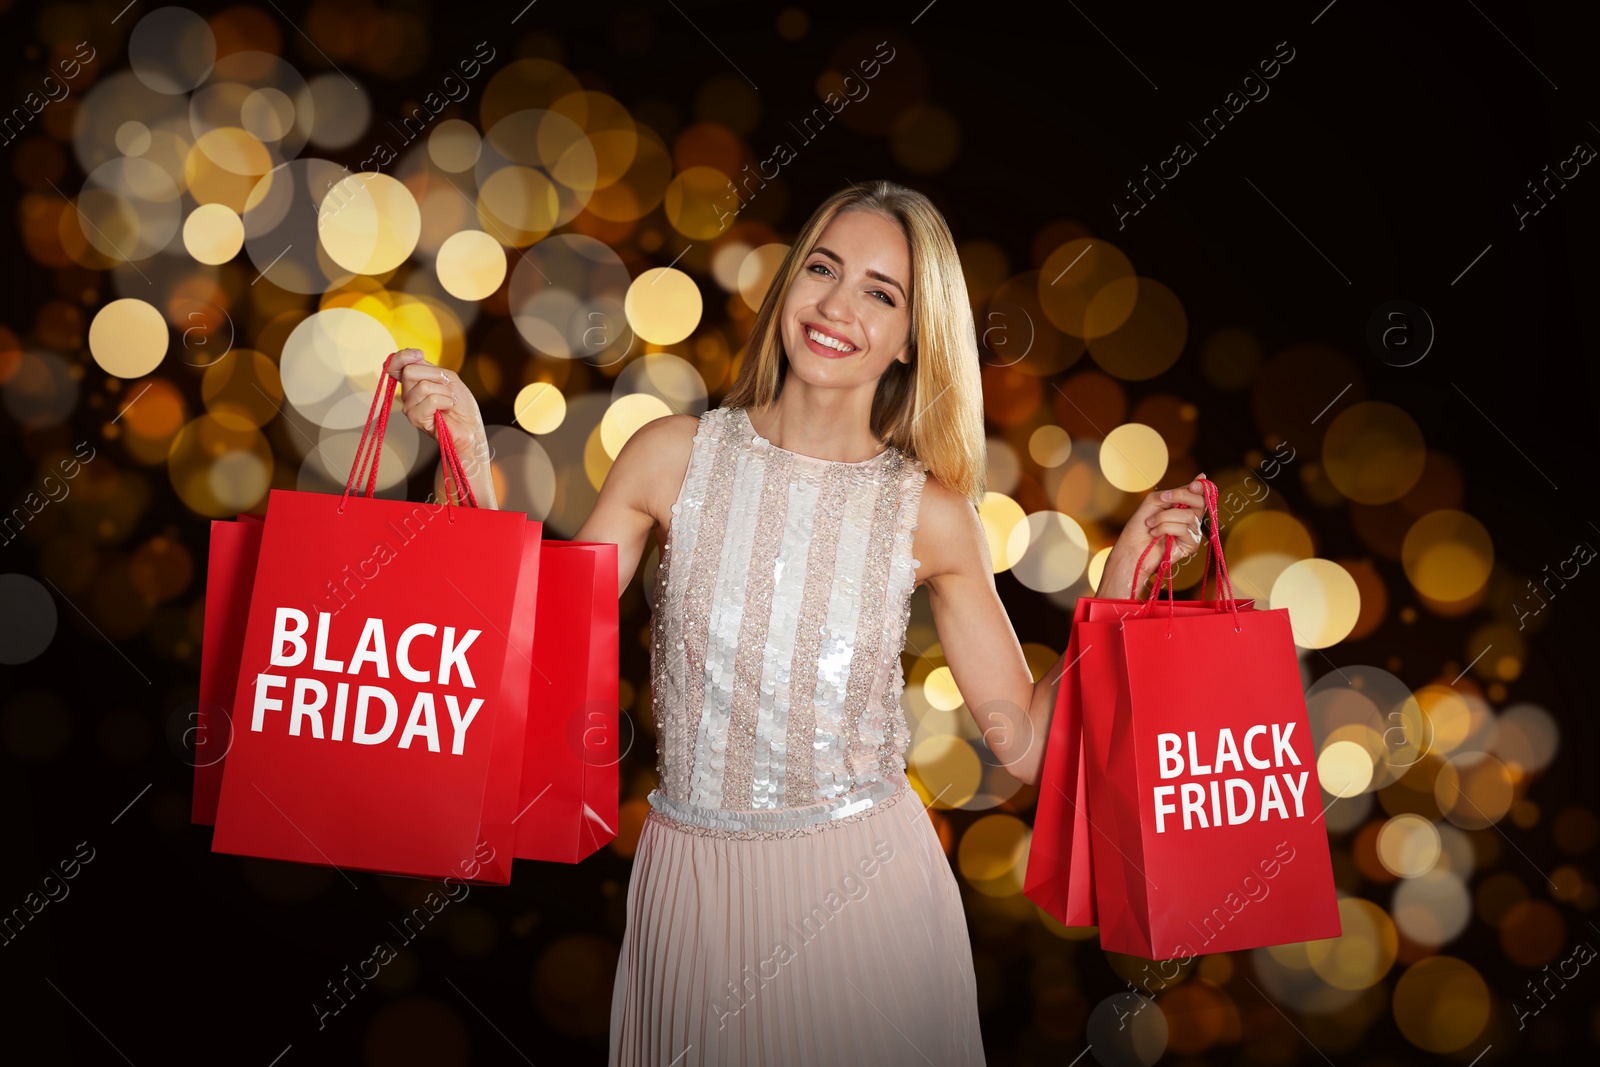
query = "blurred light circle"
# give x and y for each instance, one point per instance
(992, 854)
(1527, 737)
(1079, 488)
(243, 390)
(218, 471)
(1533, 933)
(1073, 276)
(1409, 846)
(369, 224)
(624, 417)
(1474, 790)
(536, 170)
(925, 138)
(128, 338)
(1390, 720)
(948, 769)
(663, 305)
(40, 390)
(1441, 1004)
(1050, 445)
(333, 356)
(757, 271)
(700, 203)
(1097, 567)
(673, 379)
(1447, 555)
(1373, 452)
(725, 262)
(454, 146)
(1000, 516)
(539, 407)
(1344, 768)
(129, 209)
(471, 265)
(566, 298)
(213, 234)
(133, 138)
(1151, 338)
(1133, 457)
(27, 618)
(1322, 599)
(1005, 465)
(1433, 908)
(939, 689)
(1048, 550)
(335, 453)
(1126, 1030)
(524, 478)
(281, 224)
(172, 50)
(1362, 953)
(332, 111)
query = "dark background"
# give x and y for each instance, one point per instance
(1396, 140)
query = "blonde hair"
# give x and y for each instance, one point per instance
(930, 408)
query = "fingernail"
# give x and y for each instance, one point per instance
(1167, 495)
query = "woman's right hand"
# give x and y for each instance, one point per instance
(427, 389)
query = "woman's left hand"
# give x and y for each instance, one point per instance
(1156, 516)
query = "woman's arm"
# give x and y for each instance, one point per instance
(632, 500)
(985, 658)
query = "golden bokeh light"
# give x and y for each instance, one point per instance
(1133, 457)
(1000, 516)
(539, 407)
(454, 145)
(1447, 555)
(128, 338)
(1048, 551)
(1150, 339)
(993, 854)
(1409, 846)
(756, 272)
(1441, 1004)
(948, 771)
(1362, 953)
(663, 305)
(1344, 768)
(1322, 599)
(624, 417)
(1097, 567)
(939, 689)
(213, 234)
(369, 223)
(1373, 452)
(471, 265)
(699, 203)
(1071, 278)
(1474, 790)
(1050, 445)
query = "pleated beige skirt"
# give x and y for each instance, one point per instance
(843, 947)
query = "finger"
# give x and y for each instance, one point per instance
(1183, 516)
(421, 412)
(1190, 496)
(406, 357)
(1183, 530)
(423, 371)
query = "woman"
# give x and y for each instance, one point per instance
(790, 901)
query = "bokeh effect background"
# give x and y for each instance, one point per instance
(1352, 301)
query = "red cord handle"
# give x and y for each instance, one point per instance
(369, 450)
(1213, 551)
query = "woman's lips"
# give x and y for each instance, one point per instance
(822, 349)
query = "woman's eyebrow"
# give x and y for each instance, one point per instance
(819, 250)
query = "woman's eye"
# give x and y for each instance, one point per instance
(819, 266)
(887, 299)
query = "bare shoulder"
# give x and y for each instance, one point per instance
(949, 537)
(651, 467)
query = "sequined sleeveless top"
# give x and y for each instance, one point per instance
(781, 603)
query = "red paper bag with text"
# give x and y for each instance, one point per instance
(230, 574)
(383, 685)
(568, 806)
(1060, 874)
(1208, 795)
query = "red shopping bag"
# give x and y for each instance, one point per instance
(383, 684)
(230, 573)
(1208, 794)
(1060, 874)
(568, 805)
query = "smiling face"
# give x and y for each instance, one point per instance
(848, 312)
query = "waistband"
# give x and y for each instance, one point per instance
(778, 822)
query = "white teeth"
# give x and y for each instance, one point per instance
(831, 342)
